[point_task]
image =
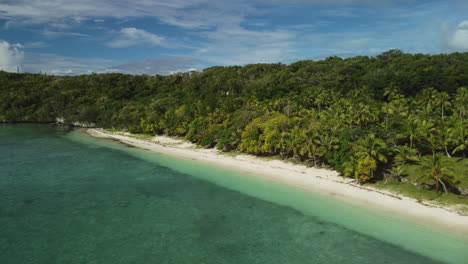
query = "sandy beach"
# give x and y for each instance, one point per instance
(308, 178)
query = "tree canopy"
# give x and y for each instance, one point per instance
(361, 115)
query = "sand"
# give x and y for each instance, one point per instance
(308, 178)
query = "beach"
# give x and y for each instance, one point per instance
(300, 176)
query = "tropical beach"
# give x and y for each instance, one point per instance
(233, 132)
(300, 176)
(73, 198)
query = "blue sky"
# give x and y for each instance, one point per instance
(166, 36)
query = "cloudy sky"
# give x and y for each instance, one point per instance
(166, 36)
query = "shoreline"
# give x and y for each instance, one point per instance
(298, 176)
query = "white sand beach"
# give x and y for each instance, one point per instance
(309, 178)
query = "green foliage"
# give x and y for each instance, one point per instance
(458, 166)
(369, 151)
(361, 116)
(342, 154)
(405, 155)
(436, 169)
(422, 194)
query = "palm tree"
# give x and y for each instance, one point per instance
(370, 150)
(425, 129)
(307, 98)
(327, 140)
(433, 142)
(350, 168)
(405, 155)
(436, 170)
(362, 114)
(388, 109)
(401, 105)
(310, 147)
(391, 92)
(443, 100)
(412, 130)
(461, 140)
(285, 144)
(445, 137)
(428, 98)
(396, 172)
(323, 98)
(461, 102)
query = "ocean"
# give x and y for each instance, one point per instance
(68, 198)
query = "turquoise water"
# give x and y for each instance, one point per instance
(69, 198)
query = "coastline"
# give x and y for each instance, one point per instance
(299, 176)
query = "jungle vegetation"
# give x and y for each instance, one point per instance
(367, 117)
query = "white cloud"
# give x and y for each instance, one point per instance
(183, 70)
(236, 45)
(133, 36)
(62, 65)
(182, 13)
(157, 66)
(54, 34)
(236, 32)
(35, 44)
(223, 35)
(459, 39)
(11, 56)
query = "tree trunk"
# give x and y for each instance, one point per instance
(443, 185)
(446, 151)
(282, 154)
(442, 111)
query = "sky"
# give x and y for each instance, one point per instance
(69, 37)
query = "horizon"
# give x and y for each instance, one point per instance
(227, 66)
(69, 37)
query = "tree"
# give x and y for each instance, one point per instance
(425, 131)
(443, 101)
(350, 168)
(285, 144)
(390, 54)
(428, 98)
(392, 92)
(362, 114)
(275, 136)
(460, 140)
(397, 172)
(251, 142)
(327, 140)
(369, 151)
(318, 111)
(411, 130)
(388, 109)
(445, 137)
(461, 102)
(310, 147)
(365, 169)
(405, 155)
(436, 170)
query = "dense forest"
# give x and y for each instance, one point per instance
(367, 117)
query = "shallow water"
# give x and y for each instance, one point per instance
(69, 198)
